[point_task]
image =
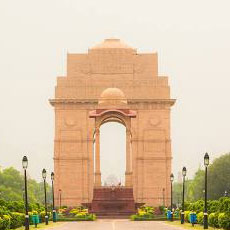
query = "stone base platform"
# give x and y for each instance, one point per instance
(113, 202)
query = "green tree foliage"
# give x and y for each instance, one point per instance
(196, 187)
(12, 187)
(177, 192)
(219, 177)
(218, 181)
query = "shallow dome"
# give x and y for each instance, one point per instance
(112, 96)
(112, 43)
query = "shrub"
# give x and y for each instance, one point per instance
(213, 206)
(197, 206)
(82, 216)
(224, 204)
(4, 211)
(200, 218)
(5, 222)
(186, 215)
(162, 209)
(213, 220)
(146, 216)
(144, 213)
(224, 221)
(17, 220)
(16, 206)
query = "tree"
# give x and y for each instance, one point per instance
(12, 187)
(218, 180)
(219, 177)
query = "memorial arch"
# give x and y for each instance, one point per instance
(112, 82)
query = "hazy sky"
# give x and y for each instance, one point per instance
(192, 39)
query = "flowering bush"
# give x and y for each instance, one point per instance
(5, 222)
(78, 213)
(144, 213)
(186, 216)
(17, 219)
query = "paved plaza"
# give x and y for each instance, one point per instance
(115, 225)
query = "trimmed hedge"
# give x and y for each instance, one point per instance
(213, 220)
(5, 222)
(17, 220)
(219, 210)
(224, 220)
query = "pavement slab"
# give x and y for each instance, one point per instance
(115, 225)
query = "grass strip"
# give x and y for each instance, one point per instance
(189, 226)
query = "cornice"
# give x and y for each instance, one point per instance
(70, 158)
(154, 158)
(70, 101)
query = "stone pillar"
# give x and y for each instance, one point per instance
(128, 173)
(97, 159)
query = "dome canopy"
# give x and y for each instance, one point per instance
(112, 43)
(112, 96)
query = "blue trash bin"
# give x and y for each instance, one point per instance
(193, 218)
(169, 215)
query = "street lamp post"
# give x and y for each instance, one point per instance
(59, 198)
(163, 197)
(206, 163)
(54, 211)
(184, 171)
(25, 165)
(44, 180)
(171, 179)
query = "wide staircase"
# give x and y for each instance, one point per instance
(113, 202)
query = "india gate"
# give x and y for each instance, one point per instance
(112, 83)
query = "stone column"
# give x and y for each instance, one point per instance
(97, 159)
(128, 173)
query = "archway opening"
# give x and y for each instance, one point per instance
(112, 153)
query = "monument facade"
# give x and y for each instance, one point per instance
(112, 83)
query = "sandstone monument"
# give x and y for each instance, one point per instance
(112, 82)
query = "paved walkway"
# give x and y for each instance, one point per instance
(115, 225)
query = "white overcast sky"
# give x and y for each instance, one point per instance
(192, 38)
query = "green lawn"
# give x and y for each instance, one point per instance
(42, 226)
(189, 226)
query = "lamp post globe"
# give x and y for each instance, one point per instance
(52, 176)
(171, 179)
(44, 174)
(184, 172)
(25, 162)
(206, 159)
(44, 181)
(206, 163)
(25, 165)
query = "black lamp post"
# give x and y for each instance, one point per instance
(54, 211)
(184, 171)
(206, 163)
(25, 165)
(44, 180)
(171, 179)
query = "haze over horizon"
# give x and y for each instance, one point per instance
(192, 42)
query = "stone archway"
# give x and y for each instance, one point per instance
(113, 105)
(112, 81)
